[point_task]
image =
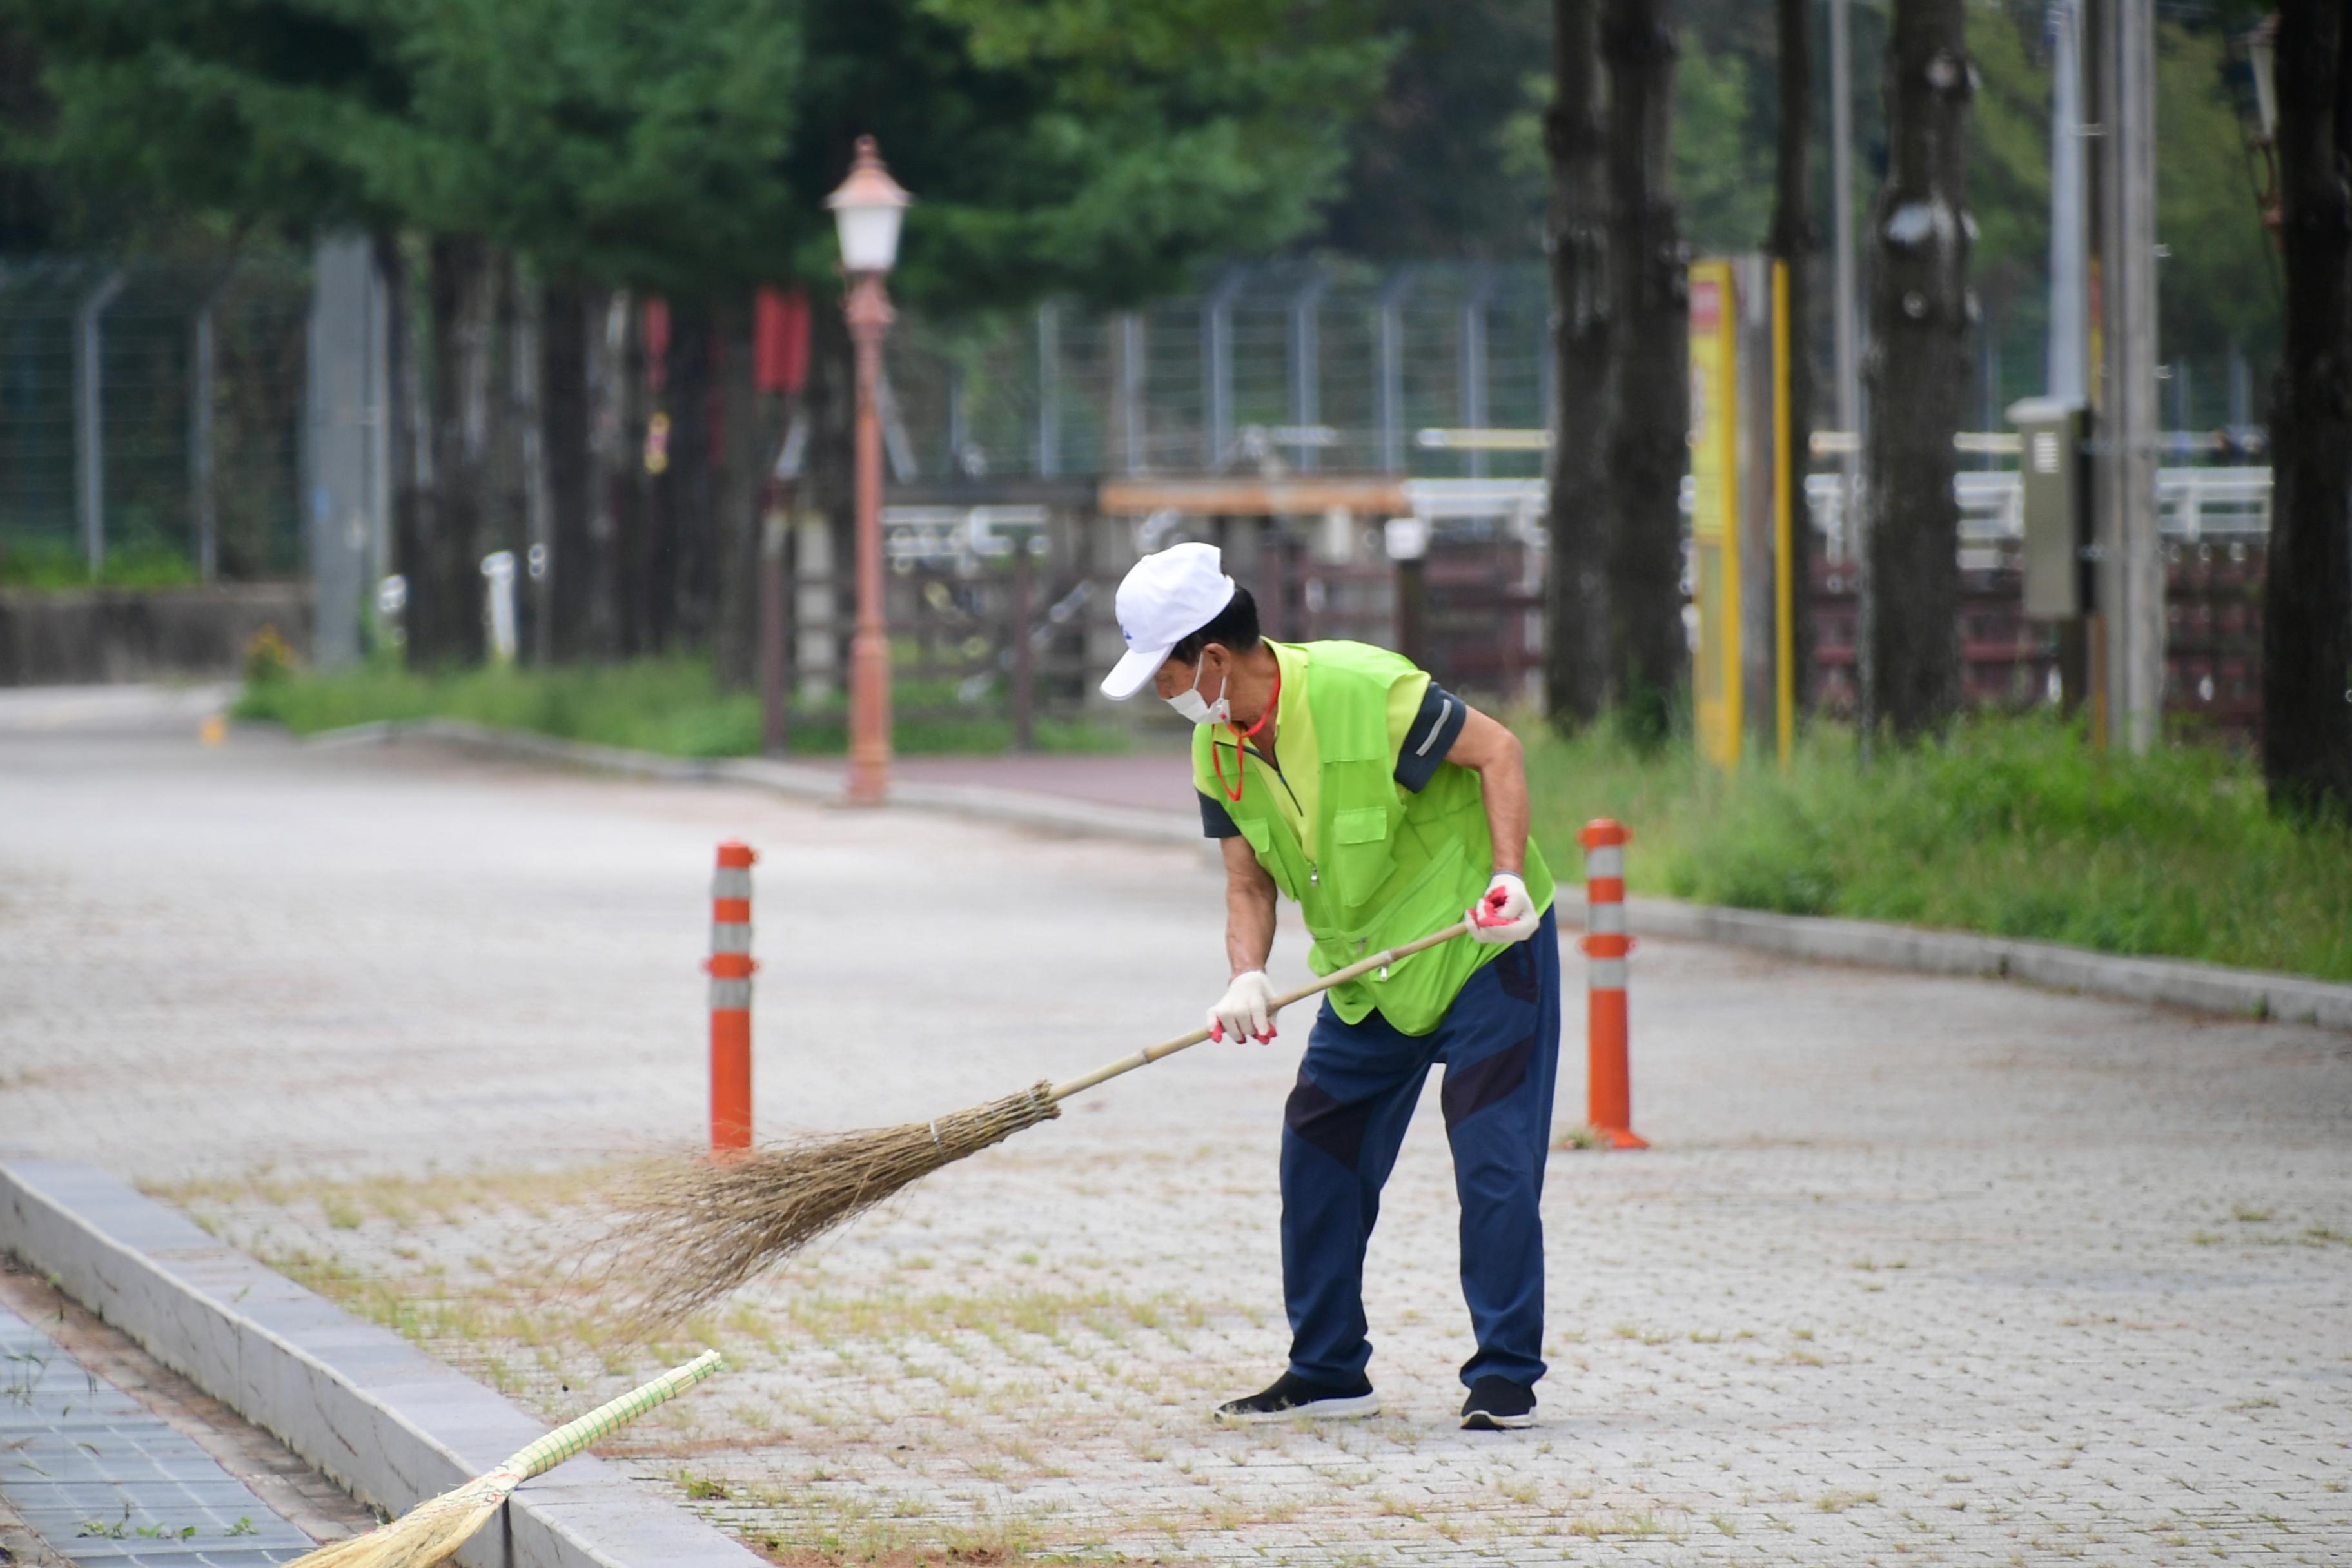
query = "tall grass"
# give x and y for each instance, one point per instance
(672, 706)
(2009, 824)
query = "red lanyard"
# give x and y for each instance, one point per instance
(1241, 766)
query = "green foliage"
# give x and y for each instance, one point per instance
(2219, 281)
(2219, 284)
(674, 706)
(1723, 154)
(265, 112)
(631, 143)
(268, 658)
(2009, 166)
(1723, 148)
(1052, 144)
(1438, 164)
(1072, 146)
(2009, 825)
(57, 567)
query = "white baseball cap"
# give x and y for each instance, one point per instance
(1164, 599)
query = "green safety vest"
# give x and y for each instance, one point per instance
(1372, 863)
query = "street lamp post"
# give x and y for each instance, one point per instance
(866, 210)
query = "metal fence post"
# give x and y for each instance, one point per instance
(1128, 377)
(1049, 390)
(90, 421)
(1305, 399)
(1024, 644)
(1474, 362)
(201, 504)
(1217, 369)
(1391, 389)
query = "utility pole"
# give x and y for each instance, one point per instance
(1847, 305)
(2130, 556)
(2066, 377)
(1845, 308)
(2070, 343)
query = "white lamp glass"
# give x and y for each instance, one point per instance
(869, 236)
(866, 210)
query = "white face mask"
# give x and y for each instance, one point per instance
(1198, 709)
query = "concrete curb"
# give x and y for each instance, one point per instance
(2180, 983)
(1020, 807)
(386, 1421)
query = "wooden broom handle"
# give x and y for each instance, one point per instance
(1150, 1054)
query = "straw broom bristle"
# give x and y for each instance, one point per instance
(427, 1534)
(690, 1232)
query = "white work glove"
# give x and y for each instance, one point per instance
(1504, 913)
(1246, 1009)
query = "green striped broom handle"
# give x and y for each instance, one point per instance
(573, 1436)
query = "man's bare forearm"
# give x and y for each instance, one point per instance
(1249, 909)
(1494, 753)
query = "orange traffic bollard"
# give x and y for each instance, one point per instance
(730, 969)
(1609, 1093)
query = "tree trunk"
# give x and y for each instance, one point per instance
(563, 444)
(525, 373)
(1576, 606)
(2308, 594)
(656, 586)
(445, 590)
(505, 524)
(610, 326)
(693, 486)
(1917, 373)
(1794, 243)
(745, 448)
(1650, 380)
(634, 547)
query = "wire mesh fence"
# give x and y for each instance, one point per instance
(1330, 366)
(150, 411)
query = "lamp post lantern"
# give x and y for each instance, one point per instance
(866, 210)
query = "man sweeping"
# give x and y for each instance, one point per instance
(1340, 775)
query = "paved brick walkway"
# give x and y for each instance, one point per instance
(1921, 1269)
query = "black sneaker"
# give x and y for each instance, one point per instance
(1497, 1402)
(1291, 1396)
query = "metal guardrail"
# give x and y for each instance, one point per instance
(2193, 504)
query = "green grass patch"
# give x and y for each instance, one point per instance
(52, 566)
(2010, 826)
(672, 706)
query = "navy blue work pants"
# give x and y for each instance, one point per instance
(1357, 1089)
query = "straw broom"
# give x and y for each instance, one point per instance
(690, 1232)
(433, 1530)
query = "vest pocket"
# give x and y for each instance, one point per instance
(1359, 857)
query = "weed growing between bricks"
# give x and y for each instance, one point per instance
(1771, 1353)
